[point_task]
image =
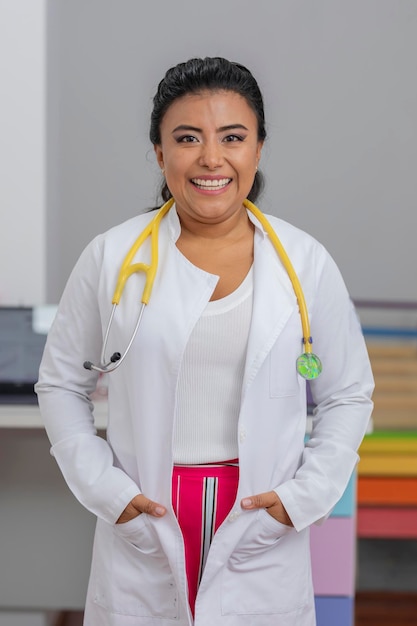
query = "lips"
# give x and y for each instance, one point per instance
(211, 183)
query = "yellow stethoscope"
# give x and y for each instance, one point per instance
(308, 364)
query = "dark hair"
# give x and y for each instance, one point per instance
(209, 74)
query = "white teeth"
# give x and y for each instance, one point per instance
(213, 183)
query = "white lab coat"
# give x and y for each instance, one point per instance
(258, 570)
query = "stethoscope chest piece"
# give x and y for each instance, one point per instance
(309, 365)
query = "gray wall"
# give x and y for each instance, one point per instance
(341, 100)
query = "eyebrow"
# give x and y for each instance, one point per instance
(222, 129)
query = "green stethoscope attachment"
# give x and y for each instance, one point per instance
(309, 365)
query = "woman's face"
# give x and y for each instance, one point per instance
(209, 153)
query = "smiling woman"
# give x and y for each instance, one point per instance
(208, 75)
(205, 490)
(209, 152)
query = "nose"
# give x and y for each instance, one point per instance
(211, 155)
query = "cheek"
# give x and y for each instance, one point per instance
(175, 178)
(176, 165)
(248, 162)
(173, 174)
(248, 169)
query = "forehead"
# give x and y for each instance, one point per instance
(206, 107)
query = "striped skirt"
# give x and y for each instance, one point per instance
(202, 496)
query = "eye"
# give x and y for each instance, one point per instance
(186, 139)
(233, 138)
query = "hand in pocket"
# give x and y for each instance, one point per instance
(141, 504)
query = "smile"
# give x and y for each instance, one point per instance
(216, 184)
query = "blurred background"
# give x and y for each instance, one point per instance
(340, 161)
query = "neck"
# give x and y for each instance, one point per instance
(235, 225)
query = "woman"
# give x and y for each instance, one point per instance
(204, 490)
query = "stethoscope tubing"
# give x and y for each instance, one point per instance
(308, 364)
(307, 340)
(116, 359)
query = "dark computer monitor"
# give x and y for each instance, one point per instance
(22, 340)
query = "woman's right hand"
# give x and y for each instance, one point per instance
(141, 504)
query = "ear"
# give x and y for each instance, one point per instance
(159, 155)
(259, 151)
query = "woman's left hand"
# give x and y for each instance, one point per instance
(271, 502)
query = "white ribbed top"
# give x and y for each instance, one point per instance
(210, 380)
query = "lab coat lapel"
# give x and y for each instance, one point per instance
(273, 303)
(180, 293)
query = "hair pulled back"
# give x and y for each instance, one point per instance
(209, 74)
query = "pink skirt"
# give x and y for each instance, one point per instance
(202, 496)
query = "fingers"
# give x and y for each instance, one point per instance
(271, 502)
(141, 504)
(260, 501)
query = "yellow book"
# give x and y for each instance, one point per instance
(388, 465)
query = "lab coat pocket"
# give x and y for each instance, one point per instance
(131, 575)
(260, 536)
(138, 532)
(268, 572)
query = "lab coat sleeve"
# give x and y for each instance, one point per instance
(64, 388)
(342, 394)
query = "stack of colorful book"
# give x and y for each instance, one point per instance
(387, 485)
(382, 501)
(394, 364)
